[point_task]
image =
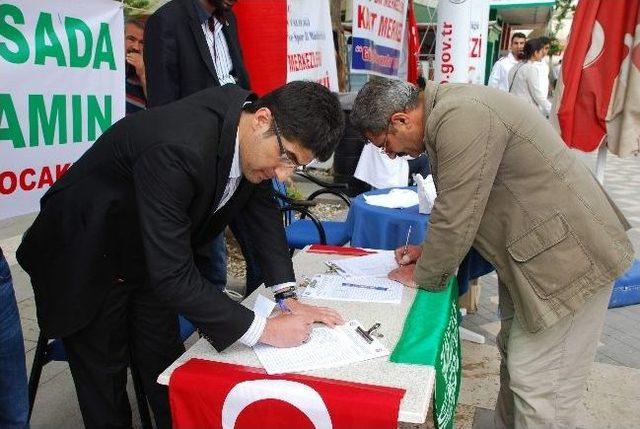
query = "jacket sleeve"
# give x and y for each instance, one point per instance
(538, 94)
(165, 183)
(266, 227)
(469, 144)
(160, 61)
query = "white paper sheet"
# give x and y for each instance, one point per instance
(327, 348)
(394, 199)
(375, 265)
(361, 289)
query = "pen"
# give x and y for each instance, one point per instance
(406, 243)
(365, 286)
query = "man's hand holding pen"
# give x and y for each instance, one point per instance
(406, 257)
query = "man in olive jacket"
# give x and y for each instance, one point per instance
(508, 186)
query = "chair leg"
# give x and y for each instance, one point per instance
(39, 360)
(141, 398)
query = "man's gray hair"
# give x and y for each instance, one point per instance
(134, 21)
(378, 100)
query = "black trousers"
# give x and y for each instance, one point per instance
(131, 325)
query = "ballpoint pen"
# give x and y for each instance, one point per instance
(406, 243)
(365, 286)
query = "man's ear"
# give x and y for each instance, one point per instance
(262, 119)
(399, 119)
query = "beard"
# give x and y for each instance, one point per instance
(221, 5)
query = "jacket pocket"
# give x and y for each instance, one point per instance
(550, 256)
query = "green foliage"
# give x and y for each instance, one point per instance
(563, 10)
(293, 192)
(555, 48)
(136, 7)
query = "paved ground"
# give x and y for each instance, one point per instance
(614, 387)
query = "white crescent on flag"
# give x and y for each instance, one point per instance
(297, 394)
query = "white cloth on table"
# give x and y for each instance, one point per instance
(426, 193)
(394, 199)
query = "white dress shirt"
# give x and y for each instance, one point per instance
(253, 334)
(543, 75)
(219, 52)
(499, 77)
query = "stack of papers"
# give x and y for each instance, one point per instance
(394, 199)
(361, 289)
(375, 265)
(327, 348)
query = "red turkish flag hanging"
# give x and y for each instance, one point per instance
(262, 30)
(413, 44)
(205, 394)
(601, 77)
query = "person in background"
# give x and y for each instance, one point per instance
(543, 65)
(524, 78)
(499, 77)
(136, 82)
(14, 400)
(192, 45)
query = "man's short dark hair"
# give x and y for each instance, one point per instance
(518, 35)
(306, 112)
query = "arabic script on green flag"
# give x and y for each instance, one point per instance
(430, 337)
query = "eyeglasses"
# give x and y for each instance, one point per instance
(383, 147)
(287, 158)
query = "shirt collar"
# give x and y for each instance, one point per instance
(236, 171)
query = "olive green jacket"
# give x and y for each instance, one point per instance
(508, 186)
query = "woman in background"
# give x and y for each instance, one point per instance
(523, 77)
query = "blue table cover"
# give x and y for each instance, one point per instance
(383, 228)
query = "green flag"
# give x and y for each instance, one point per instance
(430, 337)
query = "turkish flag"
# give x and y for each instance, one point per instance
(413, 45)
(205, 394)
(262, 30)
(598, 68)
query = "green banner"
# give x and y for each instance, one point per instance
(431, 337)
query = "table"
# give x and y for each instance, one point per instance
(383, 228)
(417, 380)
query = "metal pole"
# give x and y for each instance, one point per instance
(601, 161)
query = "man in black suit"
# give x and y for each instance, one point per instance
(115, 251)
(192, 45)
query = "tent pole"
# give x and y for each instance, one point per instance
(601, 161)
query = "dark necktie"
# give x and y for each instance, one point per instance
(212, 27)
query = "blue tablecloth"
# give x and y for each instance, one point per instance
(382, 228)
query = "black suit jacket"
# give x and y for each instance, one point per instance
(177, 59)
(139, 204)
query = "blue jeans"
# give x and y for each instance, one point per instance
(216, 272)
(14, 400)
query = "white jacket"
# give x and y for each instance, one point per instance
(524, 81)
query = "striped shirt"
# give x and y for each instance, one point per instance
(217, 43)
